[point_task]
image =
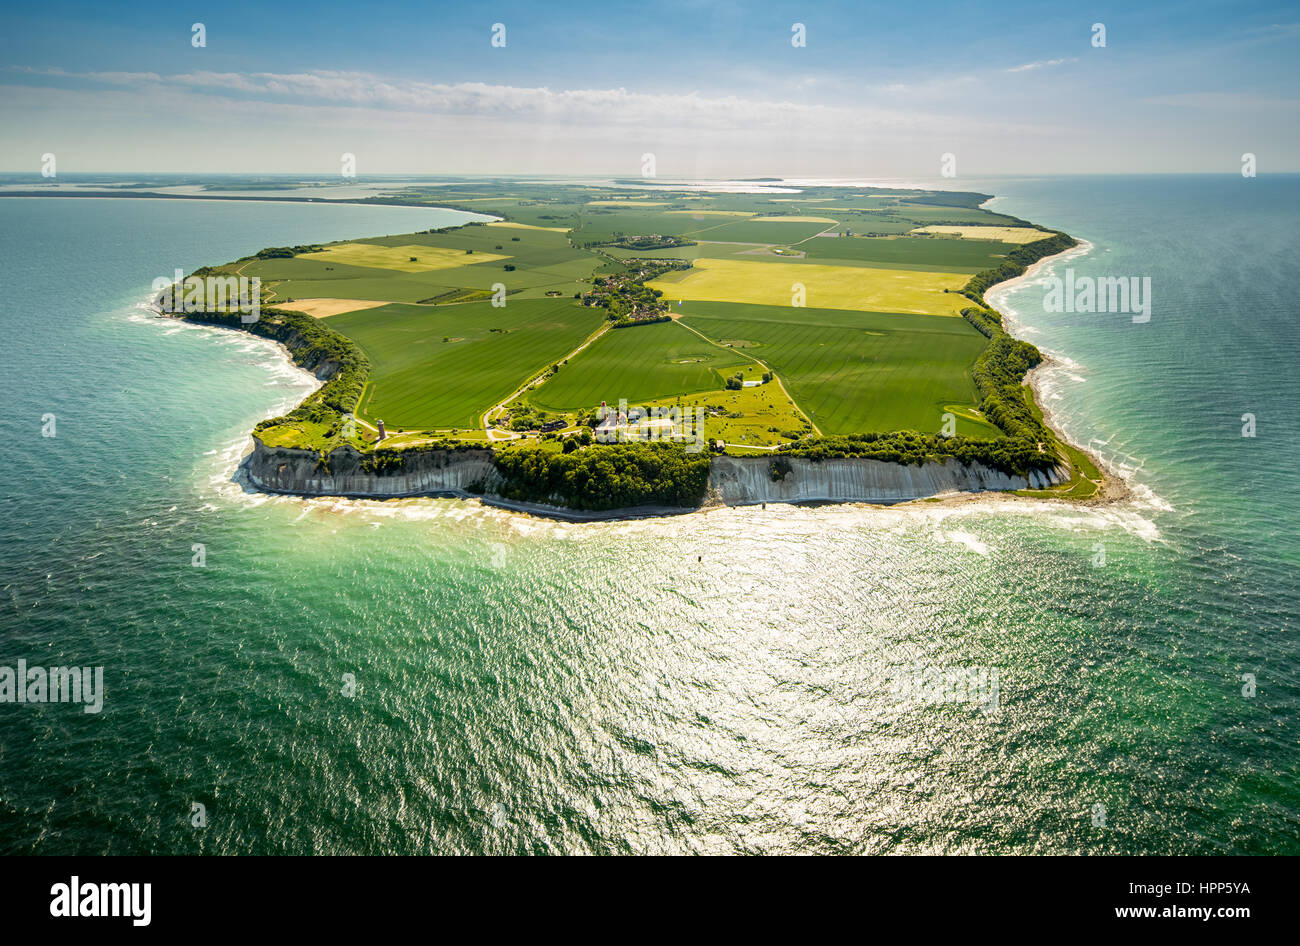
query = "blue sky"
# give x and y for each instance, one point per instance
(712, 89)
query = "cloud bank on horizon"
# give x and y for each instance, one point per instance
(713, 89)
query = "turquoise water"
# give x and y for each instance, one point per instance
(718, 682)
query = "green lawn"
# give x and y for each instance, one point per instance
(421, 381)
(642, 363)
(857, 371)
(928, 253)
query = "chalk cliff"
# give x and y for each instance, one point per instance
(740, 480)
(346, 472)
(735, 481)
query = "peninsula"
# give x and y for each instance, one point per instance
(644, 348)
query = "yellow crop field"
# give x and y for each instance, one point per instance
(399, 258)
(324, 308)
(1005, 234)
(825, 287)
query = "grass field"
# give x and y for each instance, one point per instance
(827, 287)
(705, 214)
(707, 223)
(716, 250)
(542, 259)
(873, 223)
(760, 231)
(857, 371)
(443, 367)
(642, 364)
(755, 416)
(873, 347)
(964, 216)
(794, 219)
(939, 255)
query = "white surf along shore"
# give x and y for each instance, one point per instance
(1055, 370)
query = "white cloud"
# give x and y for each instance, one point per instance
(1039, 64)
(612, 105)
(302, 122)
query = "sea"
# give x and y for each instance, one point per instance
(433, 676)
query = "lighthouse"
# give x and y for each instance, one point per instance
(382, 432)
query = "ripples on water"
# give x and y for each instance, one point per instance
(718, 682)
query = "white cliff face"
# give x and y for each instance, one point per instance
(282, 470)
(741, 480)
(736, 481)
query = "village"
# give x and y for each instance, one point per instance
(625, 296)
(650, 424)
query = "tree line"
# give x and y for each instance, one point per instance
(615, 476)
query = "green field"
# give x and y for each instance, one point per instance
(713, 250)
(930, 214)
(702, 224)
(879, 344)
(642, 364)
(857, 371)
(419, 380)
(940, 255)
(542, 260)
(758, 231)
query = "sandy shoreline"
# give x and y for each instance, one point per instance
(1113, 489)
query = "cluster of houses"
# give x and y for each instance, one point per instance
(619, 285)
(625, 294)
(632, 424)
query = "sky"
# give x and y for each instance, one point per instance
(711, 89)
